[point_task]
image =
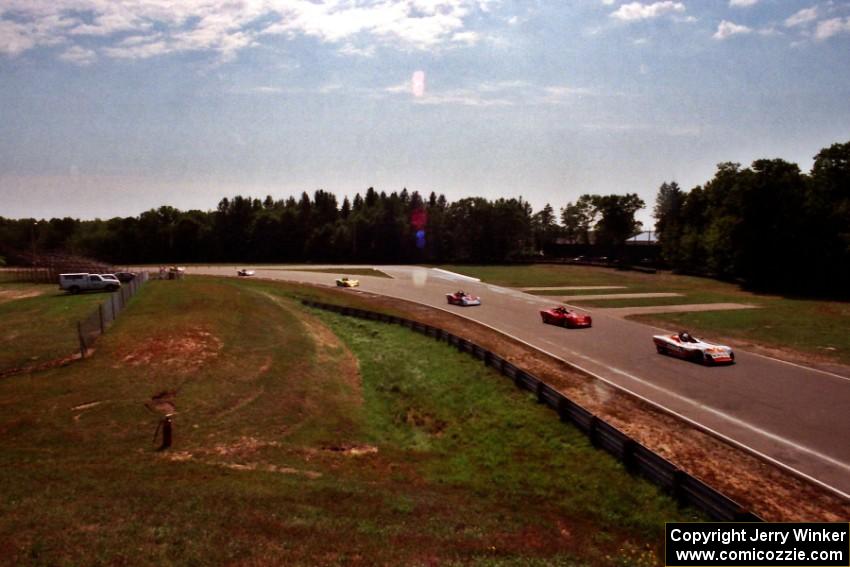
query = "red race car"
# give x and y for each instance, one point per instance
(463, 299)
(564, 317)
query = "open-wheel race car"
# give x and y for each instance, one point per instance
(245, 273)
(684, 345)
(463, 299)
(345, 281)
(564, 317)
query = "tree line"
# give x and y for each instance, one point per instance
(768, 225)
(376, 227)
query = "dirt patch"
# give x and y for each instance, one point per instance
(771, 492)
(182, 353)
(242, 447)
(352, 450)
(65, 360)
(265, 467)
(327, 344)
(329, 348)
(324, 339)
(82, 408)
(184, 456)
(239, 455)
(13, 294)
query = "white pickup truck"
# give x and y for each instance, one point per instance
(75, 283)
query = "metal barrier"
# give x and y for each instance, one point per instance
(99, 320)
(637, 458)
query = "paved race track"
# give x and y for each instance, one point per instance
(796, 416)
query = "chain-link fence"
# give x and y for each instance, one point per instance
(99, 320)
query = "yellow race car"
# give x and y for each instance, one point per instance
(347, 282)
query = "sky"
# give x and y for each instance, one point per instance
(112, 107)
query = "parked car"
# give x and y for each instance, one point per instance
(684, 345)
(75, 283)
(125, 277)
(463, 299)
(564, 317)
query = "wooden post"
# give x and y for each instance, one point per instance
(100, 316)
(82, 340)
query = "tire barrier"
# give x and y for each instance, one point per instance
(636, 458)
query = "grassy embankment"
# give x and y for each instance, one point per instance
(39, 323)
(287, 451)
(811, 327)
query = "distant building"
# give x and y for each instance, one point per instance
(647, 237)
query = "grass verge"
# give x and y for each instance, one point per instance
(39, 323)
(288, 450)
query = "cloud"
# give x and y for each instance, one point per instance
(78, 55)
(638, 11)
(19, 34)
(161, 27)
(728, 29)
(802, 17)
(351, 49)
(834, 26)
(468, 37)
(14, 38)
(742, 3)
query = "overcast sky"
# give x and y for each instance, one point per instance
(112, 107)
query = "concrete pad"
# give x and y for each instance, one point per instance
(619, 296)
(651, 309)
(572, 287)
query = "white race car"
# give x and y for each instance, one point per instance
(684, 345)
(245, 273)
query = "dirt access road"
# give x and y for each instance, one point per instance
(794, 416)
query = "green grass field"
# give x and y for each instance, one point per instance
(39, 323)
(293, 447)
(807, 327)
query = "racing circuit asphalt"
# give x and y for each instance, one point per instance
(795, 416)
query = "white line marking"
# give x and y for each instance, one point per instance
(800, 366)
(686, 419)
(456, 275)
(794, 364)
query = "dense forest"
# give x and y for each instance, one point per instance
(376, 227)
(769, 226)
